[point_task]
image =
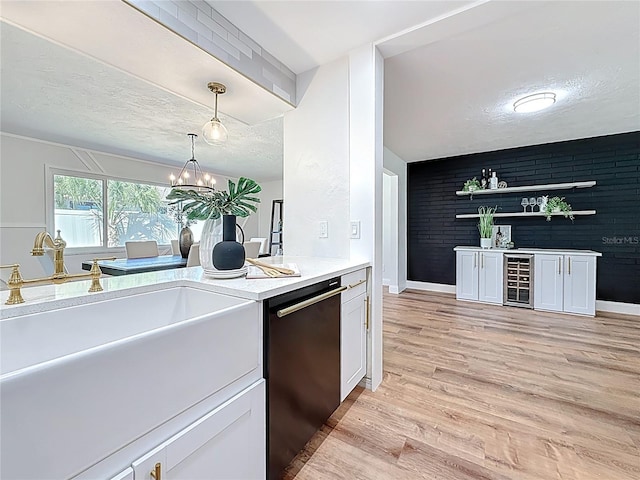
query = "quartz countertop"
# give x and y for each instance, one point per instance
(51, 297)
(550, 251)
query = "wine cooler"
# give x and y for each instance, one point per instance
(518, 280)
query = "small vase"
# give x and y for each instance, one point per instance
(485, 243)
(185, 240)
(228, 254)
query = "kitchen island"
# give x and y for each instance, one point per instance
(174, 382)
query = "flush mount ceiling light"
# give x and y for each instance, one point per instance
(191, 176)
(535, 102)
(213, 131)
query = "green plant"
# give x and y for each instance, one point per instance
(558, 204)
(472, 185)
(485, 224)
(239, 201)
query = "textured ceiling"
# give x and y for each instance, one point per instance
(451, 76)
(454, 95)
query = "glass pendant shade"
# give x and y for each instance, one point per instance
(214, 132)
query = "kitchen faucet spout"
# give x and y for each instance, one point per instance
(57, 244)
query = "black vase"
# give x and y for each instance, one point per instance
(228, 254)
(185, 240)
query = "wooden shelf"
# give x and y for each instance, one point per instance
(531, 188)
(527, 214)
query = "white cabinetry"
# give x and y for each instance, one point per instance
(353, 331)
(479, 275)
(565, 283)
(229, 443)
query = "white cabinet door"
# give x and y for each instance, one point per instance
(580, 284)
(548, 282)
(490, 285)
(467, 275)
(353, 344)
(227, 443)
(126, 475)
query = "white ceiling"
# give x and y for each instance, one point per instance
(303, 34)
(452, 70)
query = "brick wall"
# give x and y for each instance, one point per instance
(613, 161)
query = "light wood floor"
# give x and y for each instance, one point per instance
(472, 391)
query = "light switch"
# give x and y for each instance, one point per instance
(355, 229)
(324, 229)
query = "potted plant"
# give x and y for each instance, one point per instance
(472, 185)
(485, 225)
(558, 205)
(238, 201)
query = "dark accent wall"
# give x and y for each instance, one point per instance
(613, 161)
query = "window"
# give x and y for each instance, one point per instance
(86, 208)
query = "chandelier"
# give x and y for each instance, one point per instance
(191, 176)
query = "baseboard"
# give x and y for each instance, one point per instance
(365, 383)
(618, 307)
(431, 287)
(394, 289)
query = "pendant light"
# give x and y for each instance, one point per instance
(191, 176)
(214, 132)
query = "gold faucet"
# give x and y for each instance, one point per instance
(57, 244)
(59, 275)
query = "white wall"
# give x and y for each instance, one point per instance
(316, 163)
(390, 230)
(398, 167)
(24, 164)
(366, 76)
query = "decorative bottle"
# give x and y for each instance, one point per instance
(483, 179)
(493, 181)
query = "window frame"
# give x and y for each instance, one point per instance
(51, 206)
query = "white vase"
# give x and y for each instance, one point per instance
(211, 234)
(485, 243)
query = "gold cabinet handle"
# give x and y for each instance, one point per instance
(366, 306)
(475, 258)
(357, 283)
(156, 473)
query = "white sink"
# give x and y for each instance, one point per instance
(55, 334)
(79, 383)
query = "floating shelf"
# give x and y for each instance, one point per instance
(527, 214)
(531, 188)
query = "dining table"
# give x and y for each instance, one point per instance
(128, 266)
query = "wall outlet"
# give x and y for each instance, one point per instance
(324, 229)
(355, 229)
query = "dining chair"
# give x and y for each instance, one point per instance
(193, 260)
(251, 249)
(175, 247)
(142, 249)
(263, 244)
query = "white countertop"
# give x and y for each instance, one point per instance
(50, 297)
(550, 251)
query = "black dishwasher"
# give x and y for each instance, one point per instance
(302, 368)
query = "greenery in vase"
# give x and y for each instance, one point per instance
(485, 224)
(239, 201)
(558, 204)
(472, 185)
